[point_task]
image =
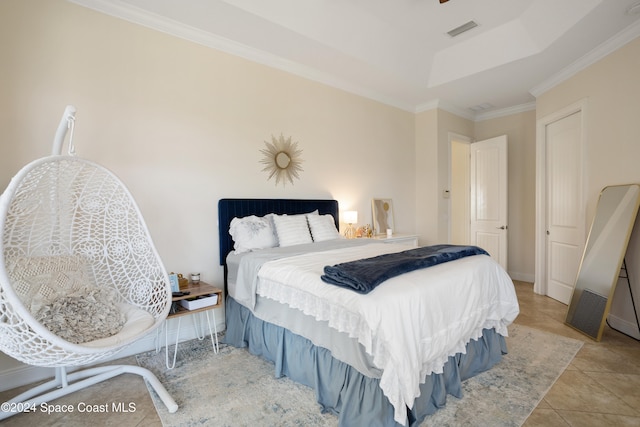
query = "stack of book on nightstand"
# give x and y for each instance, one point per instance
(199, 302)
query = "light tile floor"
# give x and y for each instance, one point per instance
(601, 387)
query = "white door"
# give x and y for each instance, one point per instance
(489, 226)
(564, 214)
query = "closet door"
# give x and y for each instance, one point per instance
(565, 217)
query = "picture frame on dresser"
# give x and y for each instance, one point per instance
(382, 215)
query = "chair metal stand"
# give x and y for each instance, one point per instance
(64, 384)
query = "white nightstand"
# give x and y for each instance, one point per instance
(405, 239)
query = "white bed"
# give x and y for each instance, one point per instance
(402, 337)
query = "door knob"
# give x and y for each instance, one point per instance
(502, 227)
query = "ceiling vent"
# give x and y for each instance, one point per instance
(462, 29)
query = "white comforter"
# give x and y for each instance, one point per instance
(410, 324)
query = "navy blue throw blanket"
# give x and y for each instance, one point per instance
(364, 275)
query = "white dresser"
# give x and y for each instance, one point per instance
(405, 239)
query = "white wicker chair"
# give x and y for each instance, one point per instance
(70, 226)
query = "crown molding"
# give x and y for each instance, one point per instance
(174, 28)
(439, 104)
(604, 49)
(465, 114)
(506, 111)
(431, 105)
(160, 23)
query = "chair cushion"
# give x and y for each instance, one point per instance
(138, 321)
(85, 315)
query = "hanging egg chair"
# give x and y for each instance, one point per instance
(80, 278)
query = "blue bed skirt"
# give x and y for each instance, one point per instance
(357, 400)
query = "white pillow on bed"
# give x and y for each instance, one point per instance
(292, 229)
(323, 227)
(251, 233)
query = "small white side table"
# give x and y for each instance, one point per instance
(195, 290)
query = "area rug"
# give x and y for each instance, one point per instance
(235, 388)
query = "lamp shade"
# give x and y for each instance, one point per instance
(350, 217)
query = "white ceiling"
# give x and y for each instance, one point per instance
(398, 51)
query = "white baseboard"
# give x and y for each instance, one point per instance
(624, 326)
(522, 277)
(22, 374)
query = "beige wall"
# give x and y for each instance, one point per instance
(183, 125)
(426, 178)
(460, 206)
(611, 88)
(433, 128)
(520, 129)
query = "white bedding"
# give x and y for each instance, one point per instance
(410, 324)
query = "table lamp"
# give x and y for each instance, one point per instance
(350, 217)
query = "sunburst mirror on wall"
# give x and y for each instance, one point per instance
(283, 159)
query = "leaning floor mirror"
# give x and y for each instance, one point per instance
(603, 258)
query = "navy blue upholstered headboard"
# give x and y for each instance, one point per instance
(230, 208)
